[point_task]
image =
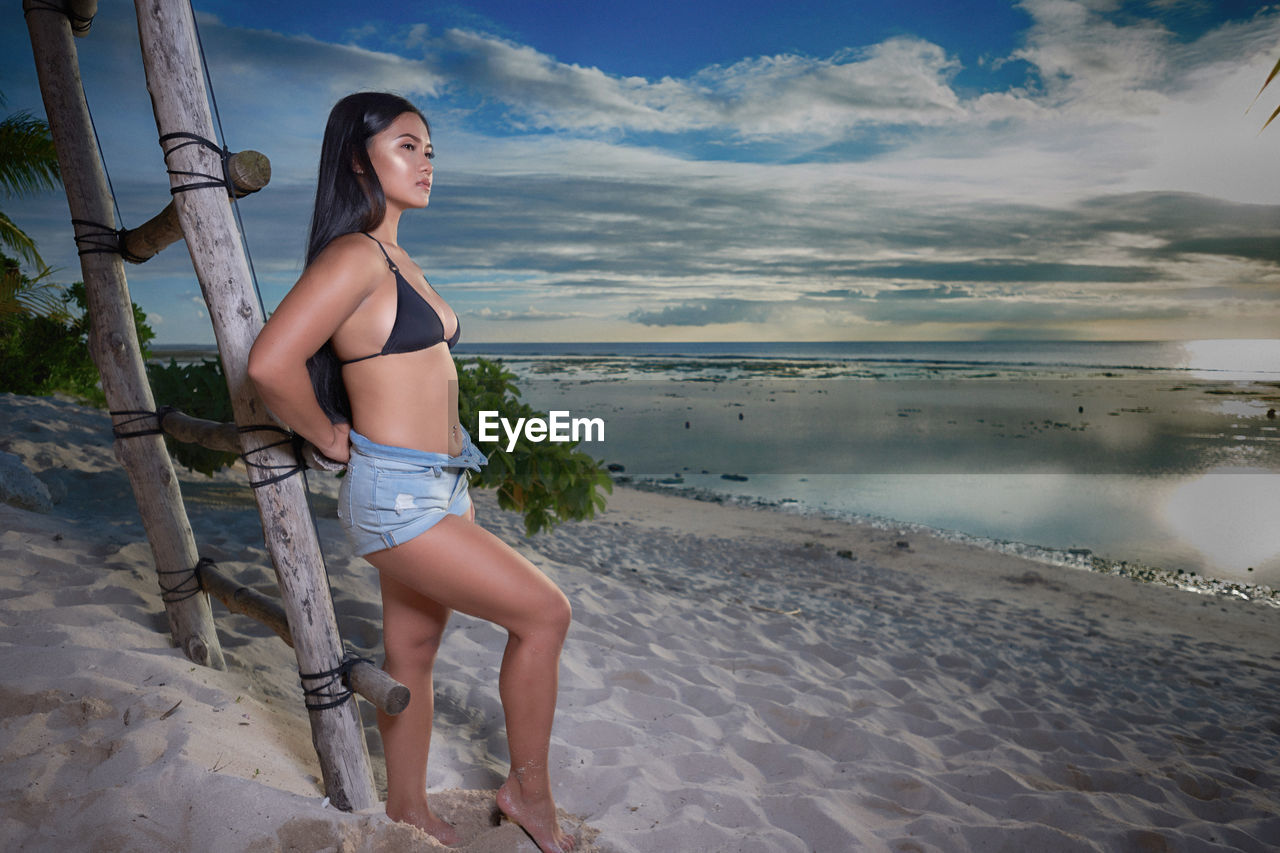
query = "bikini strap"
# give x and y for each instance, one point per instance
(390, 263)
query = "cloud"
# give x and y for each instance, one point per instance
(1000, 270)
(707, 312)
(1088, 62)
(787, 191)
(1022, 311)
(311, 69)
(1260, 248)
(912, 293)
(1082, 59)
(1171, 214)
(900, 81)
(528, 314)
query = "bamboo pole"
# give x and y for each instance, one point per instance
(174, 78)
(113, 340)
(249, 170)
(387, 694)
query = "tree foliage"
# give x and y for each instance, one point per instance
(199, 390)
(28, 164)
(36, 296)
(547, 482)
(43, 355)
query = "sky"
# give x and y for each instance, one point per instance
(747, 171)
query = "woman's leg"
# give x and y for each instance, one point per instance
(412, 625)
(464, 567)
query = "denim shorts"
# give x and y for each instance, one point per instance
(392, 494)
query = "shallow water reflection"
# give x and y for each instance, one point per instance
(1219, 527)
(1233, 359)
(1175, 475)
(1231, 515)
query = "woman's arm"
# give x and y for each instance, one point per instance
(330, 290)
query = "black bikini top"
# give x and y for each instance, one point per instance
(417, 325)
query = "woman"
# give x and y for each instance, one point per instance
(381, 338)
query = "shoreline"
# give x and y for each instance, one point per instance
(1066, 558)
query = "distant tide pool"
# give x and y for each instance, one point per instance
(1177, 474)
(1217, 524)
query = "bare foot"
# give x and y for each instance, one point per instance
(421, 817)
(536, 818)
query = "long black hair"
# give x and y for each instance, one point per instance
(349, 198)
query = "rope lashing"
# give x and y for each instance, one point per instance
(103, 240)
(281, 472)
(209, 181)
(284, 471)
(136, 416)
(334, 689)
(189, 586)
(79, 23)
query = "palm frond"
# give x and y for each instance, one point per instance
(1271, 119)
(28, 160)
(16, 239)
(35, 297)
(1274, 71)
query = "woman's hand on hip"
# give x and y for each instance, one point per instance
(339, 447)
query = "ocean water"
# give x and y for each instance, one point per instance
(1228, 360)
(1156, 453)
(1160, 454)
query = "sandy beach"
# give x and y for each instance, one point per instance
(736, 679)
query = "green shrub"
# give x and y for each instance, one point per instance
(547, 482)
(199, 390)
(43, 355)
